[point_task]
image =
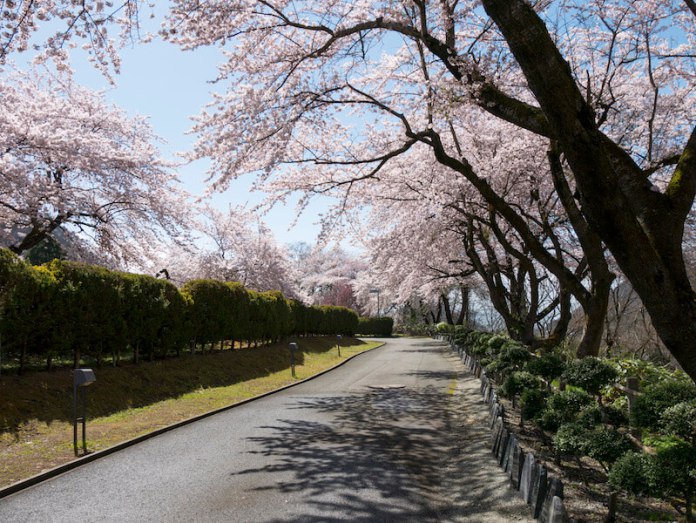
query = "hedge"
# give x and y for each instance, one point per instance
(382, 326)
(70, 310)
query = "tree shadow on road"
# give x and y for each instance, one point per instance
(388, 455)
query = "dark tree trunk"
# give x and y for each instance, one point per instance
(448, 310)
(642, 227)
(463, 318)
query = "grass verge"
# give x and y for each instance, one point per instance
(126, 402)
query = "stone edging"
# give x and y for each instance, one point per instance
(529, 477)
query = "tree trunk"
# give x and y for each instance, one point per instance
(595, 314)
(611, 514)
(463, 318)
(448, 311)
(642, 227)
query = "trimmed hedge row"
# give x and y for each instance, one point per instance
(382, 326)
(70, 310)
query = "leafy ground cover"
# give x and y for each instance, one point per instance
(126, 402)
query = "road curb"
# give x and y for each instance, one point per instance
(60, 469)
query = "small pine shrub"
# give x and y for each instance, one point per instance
(616, 416)
(517, 382)
(680, 420)
(548, 366)
(606, 445)
(563, 407)
(657, 398)
(674, 472)
(631, 473)
(570, 439)
(592, 374)
(590, 417)
(532, 403)
(495, 343)
(444, 328)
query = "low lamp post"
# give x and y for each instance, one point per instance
(81, 379)
(293, 347)
(338, 344)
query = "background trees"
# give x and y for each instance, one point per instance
(591, 106)
(603, 86)
(71, 161)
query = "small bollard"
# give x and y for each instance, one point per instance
(338, 344)
(81, 379)
(293, 348)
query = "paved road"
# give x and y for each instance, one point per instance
(379, 439)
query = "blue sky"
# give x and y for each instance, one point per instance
(168, 86)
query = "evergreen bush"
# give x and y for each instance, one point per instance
(592, 374)
(659, 397)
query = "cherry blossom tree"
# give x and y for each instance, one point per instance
(433, 238)
(50, 29)
(234, 245)
(326, 276)
(71, 161)
(606, 82)
(609, 84)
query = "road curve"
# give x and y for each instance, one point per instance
(394, 435)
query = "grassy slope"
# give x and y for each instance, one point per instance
(125, 402)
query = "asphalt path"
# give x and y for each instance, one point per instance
(396, 434)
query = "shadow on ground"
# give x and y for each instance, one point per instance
(387, 455)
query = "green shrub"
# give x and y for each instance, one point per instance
(606, 445)
(495, 343)
(680, 420)
(590, 416)
(570, 439)
(659, 397)
(548, 366)
(631, 473)
(616, 416)
(479, 342)
(563, 407)
(382, 326)
(532, 403)
(569, 402)
(444, 328)
(461, 330)
(517, 382)
(674, 472)
(592, 374)
(511, 356)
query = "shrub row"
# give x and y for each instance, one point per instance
(70, 310)
(381, 326)
(590, 417)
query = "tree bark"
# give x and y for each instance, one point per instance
(448, 310)
(463, 318)
(642, 227)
